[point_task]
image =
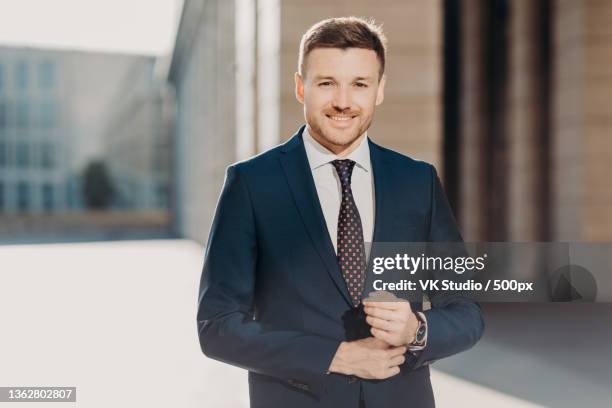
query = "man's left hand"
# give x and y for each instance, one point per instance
(392, 321)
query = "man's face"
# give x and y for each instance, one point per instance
(339, 90)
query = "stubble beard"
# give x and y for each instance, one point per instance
(330, 139)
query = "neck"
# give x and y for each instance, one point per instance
(340, 151)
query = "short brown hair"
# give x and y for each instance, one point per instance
(344, 32)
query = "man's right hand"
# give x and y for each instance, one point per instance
(368, 358)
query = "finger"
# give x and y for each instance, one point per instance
(381, 334)
(389, 337)
(397, 360)
(378, 343)
(396, 351)
(395, 305)
(393, 371)
(381, 295)
(380, 313)
(380, 323)
(383, 304)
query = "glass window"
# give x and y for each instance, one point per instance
(23, 196)
(162, 195)
(1, 197)
(1, 77)
(72, 192)
(22, 75)
(47, 196)
(2, 154)
(22, 114)
(46, 74)
(2, 115)
(23, 155)
(47, 114)
(47, 156)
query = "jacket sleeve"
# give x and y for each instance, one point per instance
(454, 322)
(226, 326)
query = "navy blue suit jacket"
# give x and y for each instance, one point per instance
(272, 298)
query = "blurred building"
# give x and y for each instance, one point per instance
(53, 108)
(527, 124)
(137, 137)
(35, 132)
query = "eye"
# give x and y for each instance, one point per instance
(361, 85)
(326, 83)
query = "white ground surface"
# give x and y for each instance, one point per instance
(117, 320)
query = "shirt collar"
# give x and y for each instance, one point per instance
(319, 155)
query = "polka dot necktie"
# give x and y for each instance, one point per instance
(351, 248)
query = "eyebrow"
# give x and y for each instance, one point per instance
(360, 78)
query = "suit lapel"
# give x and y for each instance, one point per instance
(301, 183)
(380, 191)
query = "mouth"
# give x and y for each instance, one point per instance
(341, 119)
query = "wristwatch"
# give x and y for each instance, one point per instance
(421, 333)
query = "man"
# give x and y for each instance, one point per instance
(283, 281)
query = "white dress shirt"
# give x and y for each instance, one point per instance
(329, 188)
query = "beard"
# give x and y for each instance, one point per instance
(336, 137)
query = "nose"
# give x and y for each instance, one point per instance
(342, 99)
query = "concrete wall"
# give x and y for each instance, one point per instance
(527, 118)
(471, 110)
(535, 123)
(582, 120)
(203, 73)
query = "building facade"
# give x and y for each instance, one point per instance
(137, 137)
(35, 132)
(527, 127)
(54, 105)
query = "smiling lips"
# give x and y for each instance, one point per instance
(342, 120)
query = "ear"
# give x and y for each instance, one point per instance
(299, 87)
(380, 94)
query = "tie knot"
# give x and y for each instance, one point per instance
(344, 169)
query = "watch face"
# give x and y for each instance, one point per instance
(420, 334)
